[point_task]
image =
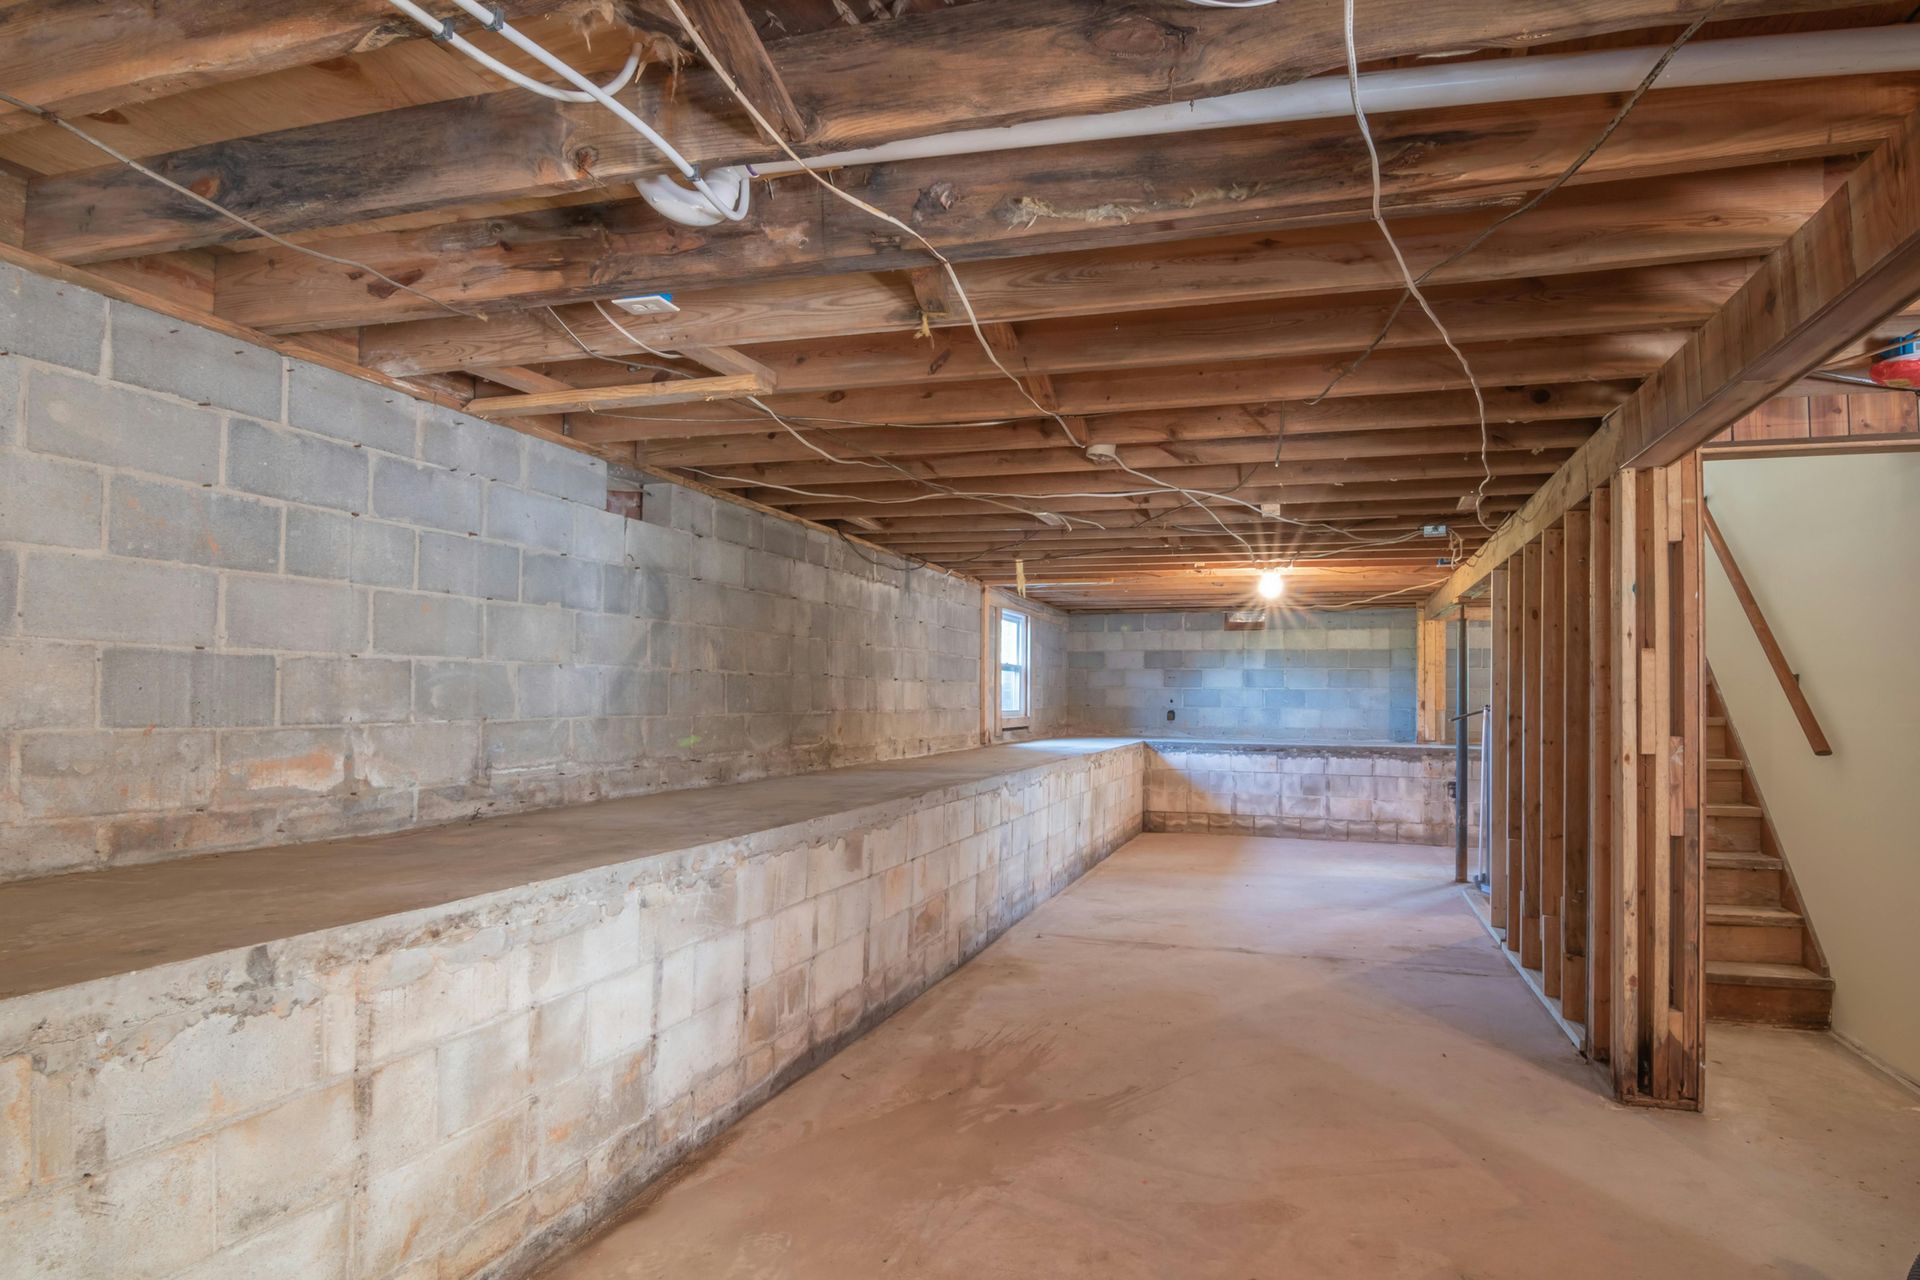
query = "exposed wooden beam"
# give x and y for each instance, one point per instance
(1646, 299)
(1856, 261)
(1252, 450)
(85, 58)
(1127, 191)
(1548, 361)
(521, 379)
(1563, 402)
(1738, 214)
(1215, 477)
(916, 75)
(729, 33)
(575, 400)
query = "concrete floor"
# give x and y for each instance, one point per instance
(1235, 1057)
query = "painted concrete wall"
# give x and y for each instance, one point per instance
(1831, 548)
(245, 601)
(1308, 677)
(456, 1091)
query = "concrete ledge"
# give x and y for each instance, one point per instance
(68, 929)
(490, 1035)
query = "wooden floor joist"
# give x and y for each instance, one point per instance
(1187, 299)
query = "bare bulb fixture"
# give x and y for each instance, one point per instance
(1272, 585)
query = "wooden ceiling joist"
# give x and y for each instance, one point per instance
(633, 395)
(1550, 402)
(1681, 220)
(923, 75)
(74, 60)
(1184, 299)
(1855, 262)
(1124, 192)
(1551, 360)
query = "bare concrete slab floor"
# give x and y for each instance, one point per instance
(1234, 1057)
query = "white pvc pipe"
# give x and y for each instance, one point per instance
(1814, 55)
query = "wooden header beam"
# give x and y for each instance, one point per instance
(1855, 262)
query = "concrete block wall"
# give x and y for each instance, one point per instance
(1308, 677)
(458, 1091)
(1395, 795)
(245, 600)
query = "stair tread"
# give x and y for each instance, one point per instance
(1731, 913)
(1753, 973)
(1726, 762)
(1727, 860)
(1731, 810)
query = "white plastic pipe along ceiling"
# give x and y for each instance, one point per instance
(1748, 59)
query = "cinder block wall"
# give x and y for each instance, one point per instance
(1308, 677)
(458, 1091)
(246, 600)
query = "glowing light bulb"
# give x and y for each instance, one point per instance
(1272, 584)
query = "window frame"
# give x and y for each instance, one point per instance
(1002, 717)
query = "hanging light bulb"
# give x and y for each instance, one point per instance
(1272, 584)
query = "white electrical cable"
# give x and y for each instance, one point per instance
(953, 277)
(1406, 272)
(445, 34)
(732, 208)
(882, 464)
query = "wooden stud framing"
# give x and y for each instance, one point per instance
(1430, 680)
(1659, 867)
(1513, 820)
(1602, 607)
(1493, 735)
(1531, 735)
(1552, 755)
(1576, 759)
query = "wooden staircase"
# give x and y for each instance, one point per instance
(1763, 962)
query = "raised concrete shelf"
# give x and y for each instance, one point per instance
(62, 930)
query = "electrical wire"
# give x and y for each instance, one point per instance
(878, 462)
(1406, 272)
(1527, 206)
(249, 224)
(953, 277)
(731, 210)
(1532, 202)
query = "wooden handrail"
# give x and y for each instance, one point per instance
(1789, 683)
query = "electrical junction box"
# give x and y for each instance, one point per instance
(1433, 531)
(1270, 510)
(647, 304)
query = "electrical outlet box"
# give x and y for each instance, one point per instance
(1169, 715)
(647, 304)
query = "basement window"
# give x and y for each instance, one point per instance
(1016, 674)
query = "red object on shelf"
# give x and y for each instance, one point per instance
(1899, 367)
